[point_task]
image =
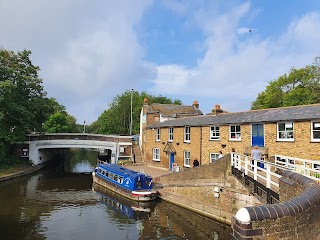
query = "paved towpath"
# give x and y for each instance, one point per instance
(152, 171)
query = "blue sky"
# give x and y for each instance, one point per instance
(91, 51)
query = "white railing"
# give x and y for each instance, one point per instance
(258, 169)
(308, 168)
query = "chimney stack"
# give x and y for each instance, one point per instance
(216, 110)
(195, 104)
(145, 101)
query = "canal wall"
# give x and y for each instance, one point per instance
(210, 190)
(297, 216)
(21, 173)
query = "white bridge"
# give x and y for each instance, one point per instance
(40, 148)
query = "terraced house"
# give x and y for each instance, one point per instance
(290, 131)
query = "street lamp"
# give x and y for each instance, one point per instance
(131, 114)
(84, 126)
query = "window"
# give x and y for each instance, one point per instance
(170, 134)
(187, 134)
(186, 157)
(214, 133)
(315, 128)
(285, 131)
(115, 177)
(156, 154)
(158, 135)
(235, 132)
(120, 180)
(214, 157)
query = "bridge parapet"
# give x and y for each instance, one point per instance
(79, 136)
(297, 216)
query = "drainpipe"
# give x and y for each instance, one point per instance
(200, 144)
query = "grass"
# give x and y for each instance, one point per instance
(12, 165)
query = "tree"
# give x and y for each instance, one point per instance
(57, 123)
(116, 119)
(23, 105)
(299, 87)
(60, 117)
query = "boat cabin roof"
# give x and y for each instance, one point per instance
(121, 170)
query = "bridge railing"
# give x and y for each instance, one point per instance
(259, 170)
(305, 167)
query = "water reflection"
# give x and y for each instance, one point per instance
(128, 208)
(79, 160)
(57, 204)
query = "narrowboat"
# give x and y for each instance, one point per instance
(133, 185)
(127, 207)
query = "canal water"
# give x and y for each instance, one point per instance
(61, 203)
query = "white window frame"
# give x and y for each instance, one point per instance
(186, 158)
(285, 132)
(215, 132)
(156, 154)
(158, 135)
(187, 134)
(236, 133)
(313, 123)
(170, 134)
(214, 157)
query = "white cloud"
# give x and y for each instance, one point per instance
(234, 68)
(88, 51)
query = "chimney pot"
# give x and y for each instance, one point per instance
(195, 104)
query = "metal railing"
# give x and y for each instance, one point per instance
(305, 167)
(259, 170)
(267, 172)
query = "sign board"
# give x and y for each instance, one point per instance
(144, 118)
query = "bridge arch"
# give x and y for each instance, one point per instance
(43, 147)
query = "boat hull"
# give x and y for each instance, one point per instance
(137, 195)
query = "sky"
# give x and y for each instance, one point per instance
(213, 51)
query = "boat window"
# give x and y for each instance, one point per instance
(148, 183)
(120, 180)
(138, 184)
(99, 170)
(111, 175)
(102, 172)
(107, 173)
(115, 177)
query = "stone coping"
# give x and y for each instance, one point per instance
(295, 205)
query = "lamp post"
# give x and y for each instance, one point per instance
(84, 126)
(131, 113)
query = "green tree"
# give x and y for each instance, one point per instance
(299, 87)
(23, 105)
(60, 116)
(57, 123)
(116, 119)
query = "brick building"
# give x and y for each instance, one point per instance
(155, 113)
(289, 131)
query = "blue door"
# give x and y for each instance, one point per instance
(171, 159)
(257, 135)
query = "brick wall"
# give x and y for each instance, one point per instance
(178, 144)
(297, 216)
(195, 189)
(201, 146)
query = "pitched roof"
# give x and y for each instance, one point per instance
(173, 110)
(296, 113)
